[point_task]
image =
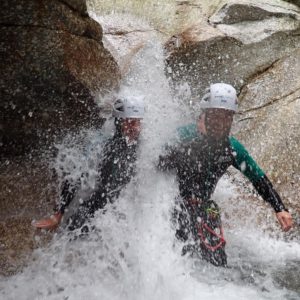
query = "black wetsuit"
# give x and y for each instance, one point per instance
(115, 171)
(200, 162)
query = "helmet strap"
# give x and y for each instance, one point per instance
(202, 123)
(118, 125)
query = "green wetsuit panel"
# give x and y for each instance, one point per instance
(244, 162)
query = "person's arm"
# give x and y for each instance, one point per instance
(246, 164)
(114, 171)
(67, 195)
(98, 199)
(68, 191)
(266, 190)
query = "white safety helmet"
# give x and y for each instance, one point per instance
(220, 95)
(131, 107)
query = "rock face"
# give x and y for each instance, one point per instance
(269, 124)
(180, 14)
(296, 2)
(230, 49)
(124, 39)
(28, 191)
(53, 62)
(249, 11)
(78, 5)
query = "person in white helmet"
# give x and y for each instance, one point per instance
(115, 170)
(204, 152)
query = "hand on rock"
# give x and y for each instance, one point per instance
(50, 223)
(285, 220)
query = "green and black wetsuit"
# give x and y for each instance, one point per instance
(115, 171)
(199, 163)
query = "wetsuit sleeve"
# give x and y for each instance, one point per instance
(246, 164)
(265, 188)
(68, 192)
(115, 171)
(69, 189)
(98, 198)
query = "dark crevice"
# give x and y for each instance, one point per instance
(255, 76)
(289, 9)
(188, 4)
(272, 101)
(123, 32)
(85, 14)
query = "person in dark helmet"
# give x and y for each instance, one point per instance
(115, 170)
(202, 154)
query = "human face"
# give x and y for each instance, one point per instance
(218, 122)
(131, 128)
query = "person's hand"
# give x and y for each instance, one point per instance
(285, 220)
(49, 223)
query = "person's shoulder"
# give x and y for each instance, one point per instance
(187, 132)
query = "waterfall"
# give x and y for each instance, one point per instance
(132, 252)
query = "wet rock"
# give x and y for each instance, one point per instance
(54, 64)
(17, 241)
(51, 15)
(268, 124)
(78, 5)
(167, 17)
(296, 2)
(251, 22)
(28, 191)
(203, 54)
(226, 59)
(246, 11)
(124, 39)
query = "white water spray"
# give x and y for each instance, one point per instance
(132, 253)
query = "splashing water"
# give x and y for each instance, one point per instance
(132, 252)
